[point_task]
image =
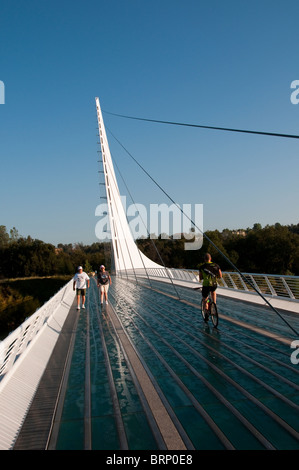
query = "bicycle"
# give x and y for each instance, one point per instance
(210, 311)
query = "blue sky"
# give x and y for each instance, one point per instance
(220, 63)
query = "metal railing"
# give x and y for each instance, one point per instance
(16, 343)
(274, 286)
(270, 285)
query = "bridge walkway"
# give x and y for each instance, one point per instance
(146, 373)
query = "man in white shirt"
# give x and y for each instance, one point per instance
(80, 280)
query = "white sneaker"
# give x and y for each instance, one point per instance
(78, 308)
(83, 306)
(106, 302)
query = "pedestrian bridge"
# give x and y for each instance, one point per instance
(146, 372)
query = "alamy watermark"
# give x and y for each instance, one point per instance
(2, 93)
(295, 354)
(170, 221)
(295, 94)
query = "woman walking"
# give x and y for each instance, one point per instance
(104, 280)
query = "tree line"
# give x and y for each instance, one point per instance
(271, 249)
(28, 257)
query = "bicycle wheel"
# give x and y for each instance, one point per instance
(214, 314)
(205, 315)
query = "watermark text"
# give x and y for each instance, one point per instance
(170, 221)
(2, 92)
(295, 354)
(295, 94)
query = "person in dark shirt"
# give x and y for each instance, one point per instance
(104, 280)
(208, 273)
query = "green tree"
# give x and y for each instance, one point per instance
(87, 266)
(257, 227)
(4, 237)
(14, 234)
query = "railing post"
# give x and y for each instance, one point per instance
(287, 288)
(254, 283)
(232, 281)
(272, 290)
(243, 283)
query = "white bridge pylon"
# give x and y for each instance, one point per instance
(127, 255)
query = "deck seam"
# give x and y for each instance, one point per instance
(167, 428)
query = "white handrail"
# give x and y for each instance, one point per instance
(13, 346)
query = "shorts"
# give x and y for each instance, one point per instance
(207, 289)
(104, 287)
(81, 291)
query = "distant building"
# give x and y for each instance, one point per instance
(241, 233)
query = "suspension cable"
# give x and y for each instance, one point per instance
(207, 238)
(246, 131)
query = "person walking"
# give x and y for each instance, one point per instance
(104, 280)
(80, 281)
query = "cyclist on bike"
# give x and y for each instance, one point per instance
(208, 273)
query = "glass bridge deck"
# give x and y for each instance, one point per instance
(225, 388)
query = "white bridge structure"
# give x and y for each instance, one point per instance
(26, 352)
